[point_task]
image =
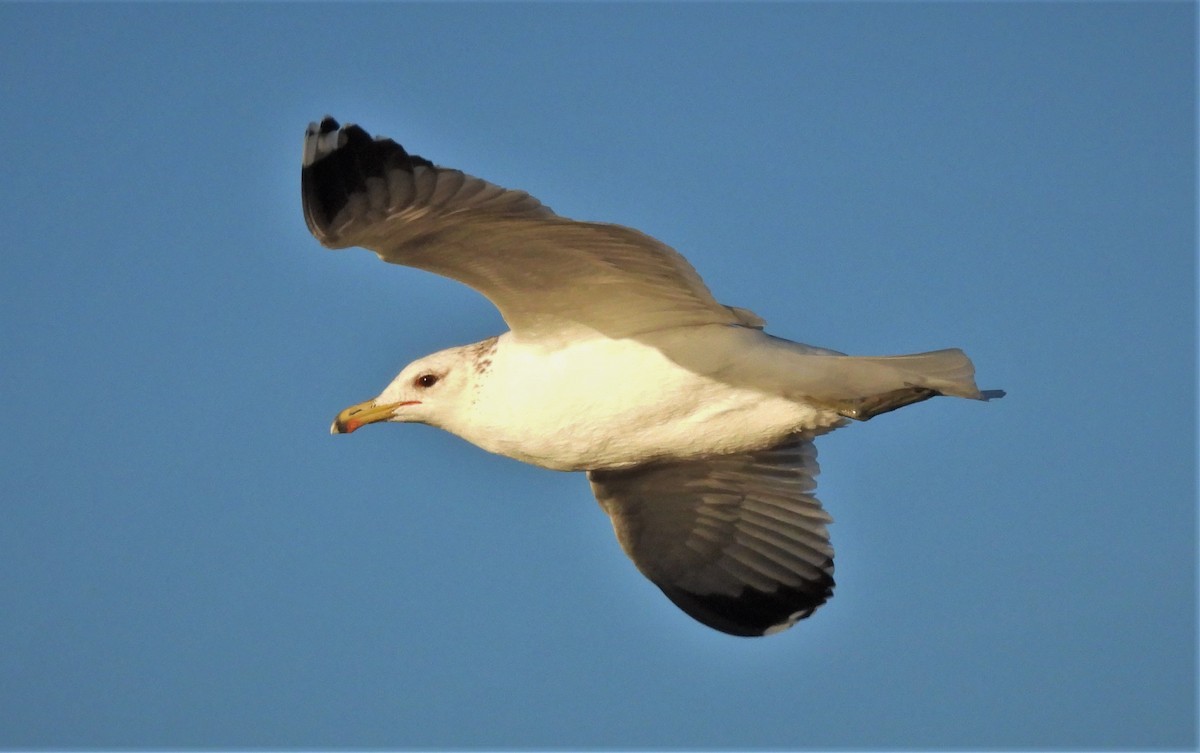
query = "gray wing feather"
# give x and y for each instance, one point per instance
(548, 275)
(737, 541)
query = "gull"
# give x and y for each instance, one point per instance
(694, 426)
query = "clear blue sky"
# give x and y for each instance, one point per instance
(188, 558)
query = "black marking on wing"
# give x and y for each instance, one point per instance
(332, 174)
(753, 612)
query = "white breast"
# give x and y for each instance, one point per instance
(601, 404)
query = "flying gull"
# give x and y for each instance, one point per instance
(695, 427)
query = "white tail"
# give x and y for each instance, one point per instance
(865, 386)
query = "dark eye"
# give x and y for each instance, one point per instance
(426, 380)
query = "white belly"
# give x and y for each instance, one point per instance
(615, 403)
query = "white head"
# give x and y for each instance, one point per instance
(430, 390)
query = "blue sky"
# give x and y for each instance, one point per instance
(189, 559)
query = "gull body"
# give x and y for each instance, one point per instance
(526, 400)
(694, 426)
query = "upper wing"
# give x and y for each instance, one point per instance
(547, 274)
(737, 541)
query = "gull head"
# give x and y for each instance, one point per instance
(425, 391)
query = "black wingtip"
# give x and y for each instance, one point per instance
(337, 161)
(319, 143)
(753, 613)
(317, 140)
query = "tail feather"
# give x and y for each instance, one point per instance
(923, 375)
(861, 387)
(858, 387)
(948, 371)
